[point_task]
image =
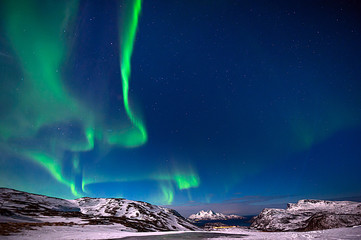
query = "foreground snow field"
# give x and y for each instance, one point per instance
(336, 233)
(114, 232)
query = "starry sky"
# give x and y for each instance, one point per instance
(224, 105)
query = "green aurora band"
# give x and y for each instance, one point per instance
(38, 35)
(53, 166)
(129, 23)
(180, 178)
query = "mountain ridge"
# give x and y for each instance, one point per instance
(22, 207)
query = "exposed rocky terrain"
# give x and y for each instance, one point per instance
(25, 210)
(308, 215)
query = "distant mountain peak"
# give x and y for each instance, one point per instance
(211, 215)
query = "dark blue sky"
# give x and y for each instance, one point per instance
(246, 104)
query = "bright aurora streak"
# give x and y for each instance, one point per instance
(47, 111)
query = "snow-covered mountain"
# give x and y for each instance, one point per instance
(308, 215)
(39, 210)
(210, 215)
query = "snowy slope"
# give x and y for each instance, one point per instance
(148, 214)
(95, 232)
(210, 215)
(307, 215)
(37, 210)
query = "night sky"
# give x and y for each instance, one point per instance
(224, 105)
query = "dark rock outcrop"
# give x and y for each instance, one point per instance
(308, 215)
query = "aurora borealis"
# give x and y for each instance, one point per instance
(232, 105)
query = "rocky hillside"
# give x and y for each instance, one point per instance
(22, 207)
(308, 215)
(210, 215)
